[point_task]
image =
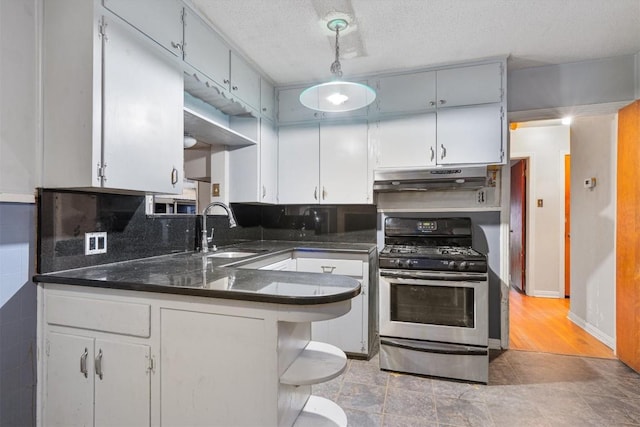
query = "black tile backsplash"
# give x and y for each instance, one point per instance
(65, 216)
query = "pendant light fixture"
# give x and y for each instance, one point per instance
(337, 95)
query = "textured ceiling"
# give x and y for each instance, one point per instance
(288, 39)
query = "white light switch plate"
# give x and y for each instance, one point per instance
(95, 243)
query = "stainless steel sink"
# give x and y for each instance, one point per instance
(229, 254)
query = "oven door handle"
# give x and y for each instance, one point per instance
(438, 348)
(415, 275)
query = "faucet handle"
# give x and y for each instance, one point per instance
(210, 237)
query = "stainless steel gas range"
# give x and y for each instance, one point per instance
(433, 299)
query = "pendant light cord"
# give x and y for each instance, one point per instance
(336, 68)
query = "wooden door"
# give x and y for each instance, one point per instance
(628, 238)
(517, 235)
(567, 225)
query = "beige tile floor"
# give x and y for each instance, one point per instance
(525, 389)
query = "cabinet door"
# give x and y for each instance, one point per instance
(470, 135)
(406, 92)
(290, 110)
(123, 391)
(406, 142)
(142, 114)
(205, 51)
(347, 332)
(476, 84)
(211, 368)
(68, 399)
(268, 162)
(267, 100)
(245, 81)
(344, 163)
(161, 20)
(298, 165)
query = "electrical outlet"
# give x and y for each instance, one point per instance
(95, 243)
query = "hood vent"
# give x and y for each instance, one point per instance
(468, 178)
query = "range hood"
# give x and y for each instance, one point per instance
(461, 178)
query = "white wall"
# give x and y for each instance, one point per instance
(593, 226)
(20, 166)
(545, 146)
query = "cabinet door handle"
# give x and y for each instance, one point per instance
(327, 268)
(264, 192)
(444, 151)
(433, 153)
(234, 87)
(176, 45)
(315, 193)
(225, 81)
(432, 103)
(324, 193)
(442, 101)
(83, 362)
(174, 176)
(99, 364)
(264, 109)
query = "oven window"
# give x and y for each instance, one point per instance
(433, 305)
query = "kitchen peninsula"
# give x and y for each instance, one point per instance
(188, 339)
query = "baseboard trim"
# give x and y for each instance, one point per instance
(592, 330)
(494, 344)
(547, 294)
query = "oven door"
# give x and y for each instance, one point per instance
(443, 310)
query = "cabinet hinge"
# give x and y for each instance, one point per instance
(47, 349)
(102, 172)
(102, 29)
(151, 366)
(501, 156)
(501, 94)
(501, 113)
(501, 69)
(182, 16)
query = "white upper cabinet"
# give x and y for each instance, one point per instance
(267, 100)
(204, 50)
(298, 165)
(161, 20)
(406, 92)
(470, 135)
(291, 110)
(253, 170)
(142, 111)
(451, 87)
(112, 105)
(344, 164)
(472, 85)
(405, 142)
(244, 81)
(326, 163)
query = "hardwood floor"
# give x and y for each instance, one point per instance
(541, 324)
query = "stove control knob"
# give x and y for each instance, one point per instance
(452, 265)
(463, 265)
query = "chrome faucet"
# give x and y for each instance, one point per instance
(206, 239)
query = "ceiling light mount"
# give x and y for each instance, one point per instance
(337, 95)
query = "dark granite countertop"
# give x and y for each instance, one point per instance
(192, 274)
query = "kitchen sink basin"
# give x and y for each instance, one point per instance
(230, 254)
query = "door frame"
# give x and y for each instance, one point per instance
(561, 224)
(529, 253)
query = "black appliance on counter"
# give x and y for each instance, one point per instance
(434, 316)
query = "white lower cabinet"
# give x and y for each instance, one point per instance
(126, 358)
(200, 352)
(349, 332)
(93, 381)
